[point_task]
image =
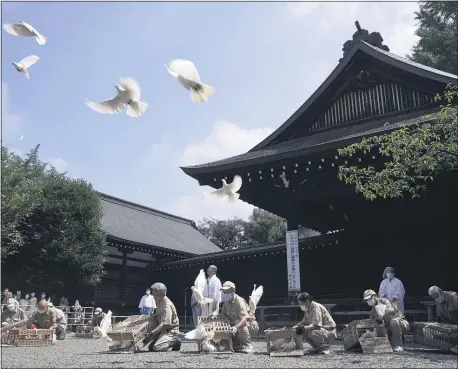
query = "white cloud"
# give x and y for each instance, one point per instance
(394, 20)
(11, 122)
(59, 164)
(225, 140)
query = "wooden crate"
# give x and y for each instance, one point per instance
(287, 335)
(84, 331)
(222, 327)
(352, 337)
(8, 337)
(33, 337)
(131, 330)
(438, 335)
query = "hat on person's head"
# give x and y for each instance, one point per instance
(368, 294)
(98, 311)
(227, 286)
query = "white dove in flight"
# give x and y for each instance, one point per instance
(128, 95)
(26, 30)
(24, 65)
(22, 138)
(230, 189)
(186, 73)
(255, 297)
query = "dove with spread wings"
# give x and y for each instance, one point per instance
(26, 30)
(255, 297)
(186, 73)
(230, 190)
(24, 65)
(128, 96)
(104, 327)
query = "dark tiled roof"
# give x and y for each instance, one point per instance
(316, 241)
(136, 223)
(379, 54)
(316, 141)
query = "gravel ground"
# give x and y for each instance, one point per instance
(93, 353)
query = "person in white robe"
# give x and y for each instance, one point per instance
(147, 304)
(392, 288)
(213, 288)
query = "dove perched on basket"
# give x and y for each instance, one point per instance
(186, 73)
(230, 190)
(26, 30)
(203, 335)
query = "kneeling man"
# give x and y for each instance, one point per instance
(44, 317)
(243, 325)
(317, 326)
(164, 323)
(61, 321)
(391, 317)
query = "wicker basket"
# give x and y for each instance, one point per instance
(222, 327)
(8, 337)
(438, 335)
(352, 337)
(288, 336)
(33, 337)
(133, 329)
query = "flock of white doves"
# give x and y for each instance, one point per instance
(128, 92)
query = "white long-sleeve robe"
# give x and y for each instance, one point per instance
(393, 289)
(213, 290)
(148, 302)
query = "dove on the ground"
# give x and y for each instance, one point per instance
(229, 189)
(255, 297)
(128, 96)
(24, 65)
(186, 73)
(26, 30)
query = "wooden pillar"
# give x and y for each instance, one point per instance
(123, 275)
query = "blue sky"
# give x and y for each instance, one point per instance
(264, 60)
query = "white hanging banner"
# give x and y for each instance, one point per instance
(292, 259)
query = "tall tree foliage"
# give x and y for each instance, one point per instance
(51, 226)
(414, 155)
(438, 30)
(261, 228)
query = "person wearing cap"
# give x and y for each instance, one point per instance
(61, 321)
(237, 311)
(164, 324)
(391, 288)
(390, 316)
(446, 305)
(317, 326)
(147, 304)
(44, 317)
(98, 317)
(13, 313)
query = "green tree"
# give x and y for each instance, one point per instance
(226, 234)
(414, 155)
(264, 227)
(438, 30)
(62, 241)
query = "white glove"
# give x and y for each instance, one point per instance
(234, 330)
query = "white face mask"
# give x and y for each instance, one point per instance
(371, 302)
(303, 308)
(11, 307)
(41, 311)
(389, 275)
(33, 295)
(26, 297)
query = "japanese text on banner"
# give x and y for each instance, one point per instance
(292, 259)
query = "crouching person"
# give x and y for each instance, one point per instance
(43, 318)
(164, 323)
(13, 313)
(243, 325)
(61, 321)
(317, 326)
(390, 316)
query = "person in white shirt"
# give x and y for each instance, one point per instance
(392, 288)
(147, 304)
(24, 304)
(213, 288)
